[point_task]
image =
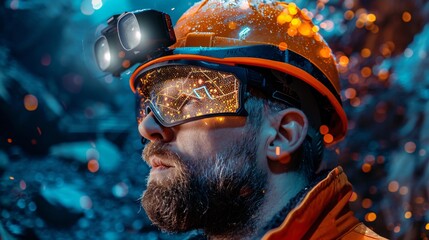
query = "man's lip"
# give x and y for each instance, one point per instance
(157, 162)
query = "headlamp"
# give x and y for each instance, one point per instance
(145, 30)
(107, 52)
(133, 37)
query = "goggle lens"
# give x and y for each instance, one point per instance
(180, 93)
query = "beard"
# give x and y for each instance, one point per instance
(220, 195)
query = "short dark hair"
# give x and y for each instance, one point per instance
(308, 157)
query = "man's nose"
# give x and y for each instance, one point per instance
(151, 129)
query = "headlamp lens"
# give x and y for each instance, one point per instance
(102, 53)
(129, 31)
(180, 93)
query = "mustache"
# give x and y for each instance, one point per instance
(160, 150)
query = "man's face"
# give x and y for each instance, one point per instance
(205, 175)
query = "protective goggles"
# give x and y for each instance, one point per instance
(177, 93)
(194, 83)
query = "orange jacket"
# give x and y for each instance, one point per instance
(324, 214)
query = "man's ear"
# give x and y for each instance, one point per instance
(291, 125)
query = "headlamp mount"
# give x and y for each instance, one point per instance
(133, 37)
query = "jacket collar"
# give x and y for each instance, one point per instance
(323, 212)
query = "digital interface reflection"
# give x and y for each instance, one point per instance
(179, 92)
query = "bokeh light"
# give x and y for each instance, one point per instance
(97, 4)
(408, 214)
(365, 53)
(328, 138)
(324, 129)
(406, 16)
(366, 203)
(325, 52)
(393, 186)
(410, 147)
(370, 217)
(30, 102)
(282, 46)
(366, 167)
(353, 197)
(93, 165)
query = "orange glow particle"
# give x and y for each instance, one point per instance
(383, 74)
(126, 63)
(305, 29)
(360, 23)
(349, 15)
(315, 29)
(406, 16)
(292, 31)
(366, 72)
(410, 147)
(393, 186)
(385, 50)
(121, 54)
(353, 197)
(232, 25)
(366, 167)
(323, 129)
(419, 200)
(277, 151)
(375, 29)
(292, 9)
(328, 138)
(371, 17)
(325, 52)
(355, 102)
(366, 203)
(427, 226)
(344, 61)
(93, 165)
(350, 93)
(220, 119)
(408, 214)
(397, 229)
(30, 102)
(365, 53)
(282, 46)
(296, 22)
(370, 217)
(353, 78)
(307, 15)
(403, 190)
(9, 140)
(282, 19)
(318, 37)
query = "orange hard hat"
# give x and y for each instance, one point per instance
(228, 23)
